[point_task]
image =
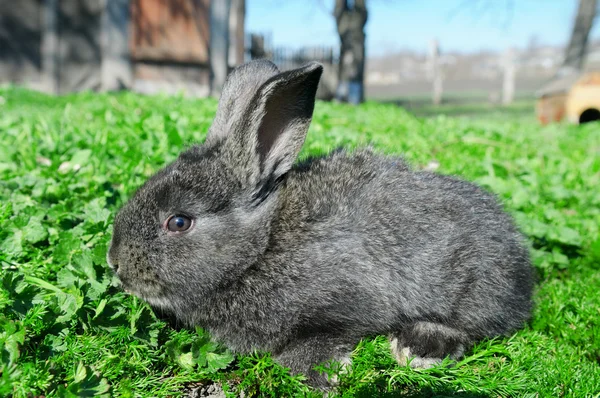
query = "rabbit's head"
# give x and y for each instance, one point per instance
(204, 219)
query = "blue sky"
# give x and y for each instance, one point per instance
(459, 25)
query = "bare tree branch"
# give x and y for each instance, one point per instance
(481, 8)
(339, 8)
(577, 48)
(323, 7)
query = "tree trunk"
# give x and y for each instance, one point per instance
(576, 50)
(350, 25)
(219, 44)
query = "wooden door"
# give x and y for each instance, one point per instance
(170, 31)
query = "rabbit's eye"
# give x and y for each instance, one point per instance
(178, 223)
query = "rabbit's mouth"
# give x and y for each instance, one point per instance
(158, 301)
(154, 299)
(146, 291)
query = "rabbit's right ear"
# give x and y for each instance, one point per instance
(263, 118)
(239, 90)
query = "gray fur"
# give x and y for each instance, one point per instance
(305, 260)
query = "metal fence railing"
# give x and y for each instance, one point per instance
(259, 46)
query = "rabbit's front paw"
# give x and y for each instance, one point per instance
(345, 367)
(303, 355)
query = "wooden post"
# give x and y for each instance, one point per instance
(116, 73)
(219, 44)
(49, 46)
(257, 46)
(236, 32)
(436, 72)
(508, 83)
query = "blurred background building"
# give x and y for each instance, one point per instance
(60, 46)
(400, 51)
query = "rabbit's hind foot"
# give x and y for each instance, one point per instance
(423, 345)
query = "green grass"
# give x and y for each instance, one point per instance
(474, 105)
(67, 164)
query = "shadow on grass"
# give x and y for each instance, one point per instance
(426, 392)
(522, 108)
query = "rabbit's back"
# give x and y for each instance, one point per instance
(400, 245)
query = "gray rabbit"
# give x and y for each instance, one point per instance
(303, 260)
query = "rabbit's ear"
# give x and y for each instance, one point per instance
(239, 90)
(266, 135)
(286, 104)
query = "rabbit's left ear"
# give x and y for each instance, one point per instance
(287, 102)
(270, 130)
